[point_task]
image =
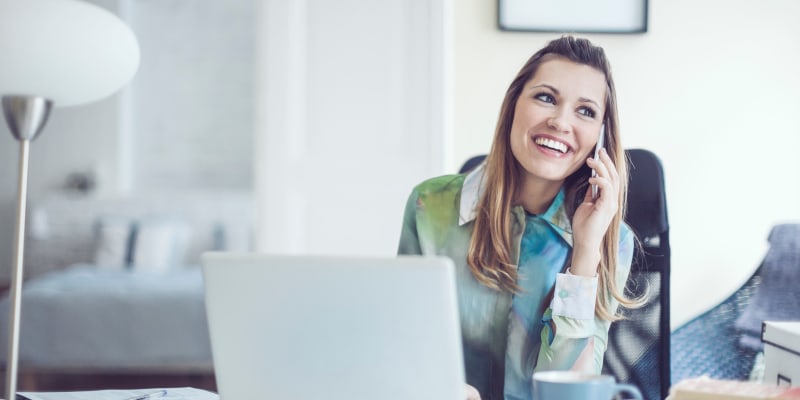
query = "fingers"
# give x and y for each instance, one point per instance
(593, 217)
(606, 175)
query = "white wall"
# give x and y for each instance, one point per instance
(711, 88)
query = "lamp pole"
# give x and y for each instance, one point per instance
(25, 116)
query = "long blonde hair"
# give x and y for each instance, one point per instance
(489, 255)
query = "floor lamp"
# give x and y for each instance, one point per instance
(54, 53)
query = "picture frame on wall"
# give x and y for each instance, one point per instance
(573, 16)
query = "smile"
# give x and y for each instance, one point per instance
(551, 144)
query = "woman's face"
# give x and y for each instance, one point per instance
(557, 120)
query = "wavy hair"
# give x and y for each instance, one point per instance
(489, 255)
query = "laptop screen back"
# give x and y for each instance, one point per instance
(310, 327)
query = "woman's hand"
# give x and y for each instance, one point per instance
(472, 393)
(593, 217)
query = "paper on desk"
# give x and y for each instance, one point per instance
(186, 393)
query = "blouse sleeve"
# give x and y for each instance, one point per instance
(573, 337)
(409, 240)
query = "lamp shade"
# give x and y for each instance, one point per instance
(68, 51)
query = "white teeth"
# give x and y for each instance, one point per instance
(551, 144)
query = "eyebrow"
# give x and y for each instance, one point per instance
(581, 99)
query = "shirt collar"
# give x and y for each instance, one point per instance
(471, 191)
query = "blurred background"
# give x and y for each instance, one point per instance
(326, 113)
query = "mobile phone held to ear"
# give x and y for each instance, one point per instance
(600, 143)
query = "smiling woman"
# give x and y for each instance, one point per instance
(540, 263)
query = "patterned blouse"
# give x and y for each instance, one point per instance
(507, 336)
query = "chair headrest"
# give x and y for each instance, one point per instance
(647, 203)
(785, 235)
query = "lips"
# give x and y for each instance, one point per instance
(551, 144)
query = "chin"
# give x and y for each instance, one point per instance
(551, 172)
(547, 174)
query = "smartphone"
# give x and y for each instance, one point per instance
(600, 144)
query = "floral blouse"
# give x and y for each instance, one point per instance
(507, 336)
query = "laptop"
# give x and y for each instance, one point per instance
(334, 328)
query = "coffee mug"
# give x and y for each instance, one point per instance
(569, 385)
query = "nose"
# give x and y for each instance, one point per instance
(558, 121)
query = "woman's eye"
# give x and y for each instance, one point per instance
(586, 111)
(545, 97)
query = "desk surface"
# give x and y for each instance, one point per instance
(184, 393)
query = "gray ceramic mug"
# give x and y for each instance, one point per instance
(569, 385)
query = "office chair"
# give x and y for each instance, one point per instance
(639, 347)
(471, 163)
(724, 341)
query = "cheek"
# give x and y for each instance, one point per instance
(586, 152)
(517, 134)
(588, 140)
(525, 116)
(516, 145)
(524, 121)
(519, 145)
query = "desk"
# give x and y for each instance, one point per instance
(181, 393)
(46, 380)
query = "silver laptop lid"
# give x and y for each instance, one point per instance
(311, 327)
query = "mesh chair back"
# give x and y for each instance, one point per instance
(639, 346)
(709, 343)
(725, 341)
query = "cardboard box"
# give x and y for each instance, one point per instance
(781, 352)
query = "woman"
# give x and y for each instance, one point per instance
(540, 264)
